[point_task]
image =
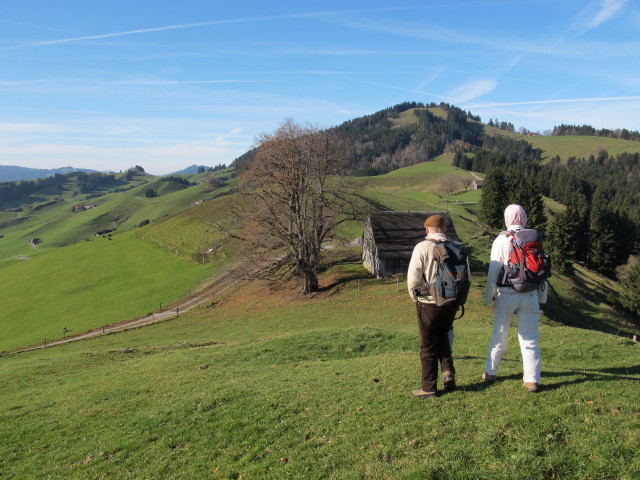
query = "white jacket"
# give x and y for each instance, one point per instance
(500, 251)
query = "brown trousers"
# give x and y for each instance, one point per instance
(434, 324)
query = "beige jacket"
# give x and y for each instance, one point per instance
(422, 265)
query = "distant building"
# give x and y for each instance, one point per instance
(82, 208)
(389, 238)
(477, 184)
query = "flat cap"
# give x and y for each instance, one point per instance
(435, 221)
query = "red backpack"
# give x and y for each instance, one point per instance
(528, 264)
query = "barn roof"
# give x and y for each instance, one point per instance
(396, 233)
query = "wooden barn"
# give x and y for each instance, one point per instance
(389, 238)
(477, 184)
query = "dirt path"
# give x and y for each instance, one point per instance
(212, 288)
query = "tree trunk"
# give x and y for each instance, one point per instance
(310, 282)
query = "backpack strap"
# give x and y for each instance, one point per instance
(506, 282)
(435, 242)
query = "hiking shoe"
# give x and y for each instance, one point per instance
(489, 378)
(449, 383)
(422, 394)
(531, 386)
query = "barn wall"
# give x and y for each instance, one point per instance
(369, 250)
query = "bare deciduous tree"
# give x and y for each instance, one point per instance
(450, 184)
(293, 202)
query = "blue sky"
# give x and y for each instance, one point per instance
(165, 84)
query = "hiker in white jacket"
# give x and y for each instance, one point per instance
(508, 302)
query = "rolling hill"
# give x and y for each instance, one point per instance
(182, 218)
(264, 383)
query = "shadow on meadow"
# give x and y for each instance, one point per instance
(582, 309)
(556, 380)
(589, 375)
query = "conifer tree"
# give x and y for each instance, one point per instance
(494, 199)
(580, 211)
(630, 296)
(602, 238)
(560, 243)
(525, 191)
(533, 204)
(458, 159)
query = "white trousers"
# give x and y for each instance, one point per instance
(527, 309)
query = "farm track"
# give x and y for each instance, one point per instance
(210, 289)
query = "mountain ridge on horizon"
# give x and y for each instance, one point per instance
(13, 173)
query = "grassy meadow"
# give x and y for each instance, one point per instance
(566, 146)
(78, 281)
(88, 285)
(264, 384)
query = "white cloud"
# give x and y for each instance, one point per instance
(472, 89)
(605, 10)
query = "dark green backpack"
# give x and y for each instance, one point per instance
(453, 278)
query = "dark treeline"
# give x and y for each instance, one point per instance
(178, 180)
(601, 224)
(88, 182)
(588, 130)
(85, 183)
(499, 151)
(16, 190)
(377, 144)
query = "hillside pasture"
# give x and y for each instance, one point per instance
(57, 225)
(566, 146)
(88, 285)
(272, 385)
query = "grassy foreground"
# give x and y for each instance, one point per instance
(258, 385)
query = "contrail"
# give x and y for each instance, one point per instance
(563, 100)
(202, 24)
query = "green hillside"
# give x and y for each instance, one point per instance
(54, 222)
(565, 146)
(189, 239)
(88, 285)
(81, 281)
(266, 385)
(259, 383)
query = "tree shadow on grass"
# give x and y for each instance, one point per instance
(583, 311)
(342, 281)
(483, 385)
(555, 380)
(591, 375)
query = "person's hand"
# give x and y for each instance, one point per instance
(489, 294)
